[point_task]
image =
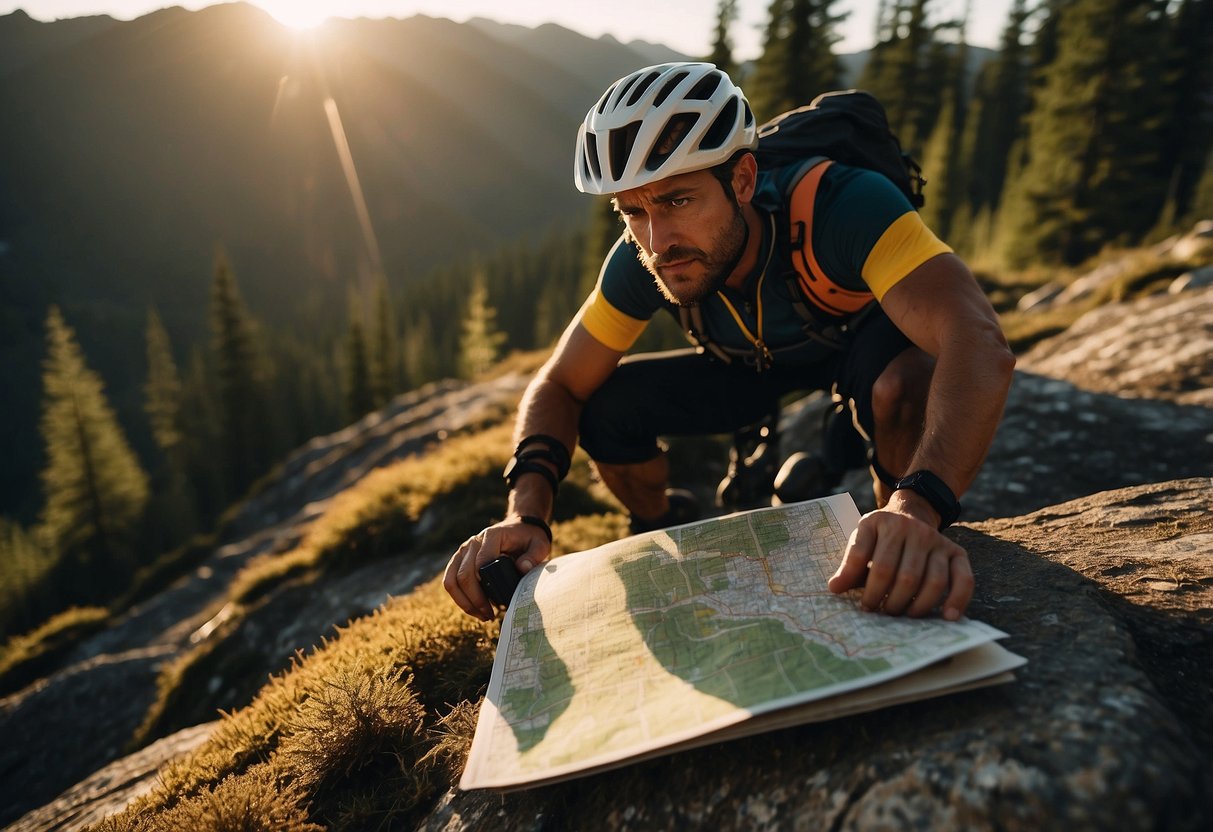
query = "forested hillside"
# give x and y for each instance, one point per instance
(233, 238)
(132, 151)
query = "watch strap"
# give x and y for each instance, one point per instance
(537, 522)
(936, 492)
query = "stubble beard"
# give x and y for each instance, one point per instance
(718, 263)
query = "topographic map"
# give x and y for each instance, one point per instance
(699, 633)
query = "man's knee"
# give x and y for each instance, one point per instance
(899, 394)
(608, 433)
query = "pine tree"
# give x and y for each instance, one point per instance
(904, 72)
(422, 358)
(1189, 131)
(203, 438)
(174, 512)
(797, 61)
(1201, 206)
(26, 596)
(241, 376)
(162, 393)
(480, 343)
(384, 357)
(996, 120)
(1094, 173)
(722, 44)
(942, 161)
(94, 489)
(359, 398)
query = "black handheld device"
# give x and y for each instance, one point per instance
(499, 578)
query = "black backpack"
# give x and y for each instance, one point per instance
(848, 126)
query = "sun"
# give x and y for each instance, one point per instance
(298, 14)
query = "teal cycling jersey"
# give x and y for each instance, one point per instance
(866, 237)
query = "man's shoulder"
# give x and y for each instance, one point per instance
(622, 265)
(840, 182)
(625, 283)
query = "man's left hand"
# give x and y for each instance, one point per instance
(905, 566)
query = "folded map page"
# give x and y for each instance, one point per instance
(699, 633)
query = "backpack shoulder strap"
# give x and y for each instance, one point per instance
(690, 318)
(808, 280)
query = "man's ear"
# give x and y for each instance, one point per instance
(745, 178)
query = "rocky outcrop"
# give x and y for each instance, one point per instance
(1058, 441)
(80, 718)
(113, 787)
(1194, 245)
(1157, 347)
(1099, 731)
(1107, 595)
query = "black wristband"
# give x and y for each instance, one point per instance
(936, 492)
(518, 467)
(537, 522)
(883, 474)
(559, 453)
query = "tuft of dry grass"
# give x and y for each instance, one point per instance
(367, 731)
(26, 658)
(255, 801)
(377, 516)
(352, 723)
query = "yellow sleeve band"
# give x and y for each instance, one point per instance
(904, 246)
(608, 325)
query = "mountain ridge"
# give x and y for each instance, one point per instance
(134, 150)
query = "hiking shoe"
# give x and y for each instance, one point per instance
(753, 461)
(805, 477)
(684, 508)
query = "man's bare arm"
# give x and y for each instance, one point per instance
(940, 307)
(551, 406)
(897, 553)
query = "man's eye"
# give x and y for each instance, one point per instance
(679, 201)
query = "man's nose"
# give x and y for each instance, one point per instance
(662, 235)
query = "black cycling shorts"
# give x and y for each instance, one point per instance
(687, 393)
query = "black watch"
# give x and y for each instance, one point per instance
(936, 492)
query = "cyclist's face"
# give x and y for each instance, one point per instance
(689, 233)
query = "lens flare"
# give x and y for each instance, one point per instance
(298, 14)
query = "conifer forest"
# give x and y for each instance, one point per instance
(1091, 125)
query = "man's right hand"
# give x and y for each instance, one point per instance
(525, 543)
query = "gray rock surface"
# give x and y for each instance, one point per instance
(1109, 596)
(104, 688)
(1099, 731)
(1057, 442)
(113, 787)
(1158, 347)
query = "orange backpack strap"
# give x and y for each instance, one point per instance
(815, 285)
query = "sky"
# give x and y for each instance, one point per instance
(684, 25)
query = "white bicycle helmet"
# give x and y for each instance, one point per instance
(660, 121)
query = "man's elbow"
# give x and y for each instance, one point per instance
(995, 351)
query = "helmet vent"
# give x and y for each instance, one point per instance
(675, 132)
(621, 91)
(749, 116)
(721, 128)
(669, 88)
(639, 89)
(703, 90)
(591, 155)
(606, 97)
(620, 148)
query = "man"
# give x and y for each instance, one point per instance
(921, 359)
